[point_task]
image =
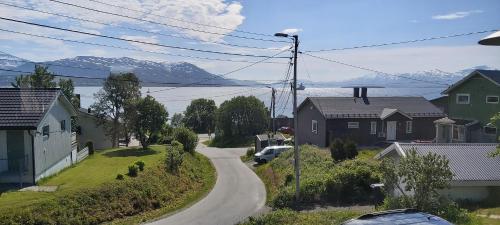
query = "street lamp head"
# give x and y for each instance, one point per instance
(281, 35)
(492, 39)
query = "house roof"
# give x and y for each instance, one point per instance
(373, 107)
(24, 108)
(491, 75)
(265, 137)
(468, 161)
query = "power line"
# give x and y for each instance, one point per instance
(131, 40)
(136, 29)
(132, 49)
(185, 21)
(405, 42)
(164, 24)
(373, 70)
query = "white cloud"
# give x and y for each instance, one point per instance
(456, 15)
(291, 30)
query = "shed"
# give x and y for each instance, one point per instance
(263, 140)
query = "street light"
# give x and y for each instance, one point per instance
(295, 117)
(492, 39)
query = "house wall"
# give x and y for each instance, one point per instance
(90, 131)
(306, 114)
(15, 177)
(3, 151)
(53, 152)
(467, 193)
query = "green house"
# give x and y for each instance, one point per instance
(471, 102)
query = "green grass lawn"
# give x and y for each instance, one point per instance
(289, 217)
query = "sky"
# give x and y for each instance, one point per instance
(319, 24)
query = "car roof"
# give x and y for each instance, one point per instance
(403, 216)
(278, 146)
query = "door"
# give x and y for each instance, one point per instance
(15, 149)
(391, 130)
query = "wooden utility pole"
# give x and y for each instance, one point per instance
(296, 119)
(273, 104)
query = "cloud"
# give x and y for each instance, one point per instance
(291, 30)
(456, 15)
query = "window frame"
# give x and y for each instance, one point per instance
(494, 96)
(46, 133)
(490, 127)
(409, 127)
(460, 95)
(352, 123)
(373, 127)
(314, 126)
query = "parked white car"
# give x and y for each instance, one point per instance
(270, 152)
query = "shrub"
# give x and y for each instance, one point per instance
(140, 164)
(133, 170)
(250, 152)
(187, 138)
(174, 156)
(337, 150)
(90, 145)
(350, 148)
(120, 176)
(285, 198)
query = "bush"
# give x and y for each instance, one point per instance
(175, 156)
(133, 170)
(337, 150)
(350, 148)
(120, 176)
(187, 138)
(140, 164)
(90, 145)
(250, 152)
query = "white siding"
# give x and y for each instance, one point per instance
(91, 132)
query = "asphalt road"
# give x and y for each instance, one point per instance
(237, 194)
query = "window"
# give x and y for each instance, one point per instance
(463, 98)
(373, 127)
(491, 99)
(352, 125)
(314, 126)
(490, 130)
(63, 125)
(459, 132)
(45, 130)
(409, 127)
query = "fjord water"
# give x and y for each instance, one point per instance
(177, 99)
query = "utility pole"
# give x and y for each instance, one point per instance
(296, 119)
(273, 104)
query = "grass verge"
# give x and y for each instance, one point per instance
(289, 217)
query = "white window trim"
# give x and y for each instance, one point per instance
(313, 128)
(373, 127)
(352, 125)
(463, 94)
(495, 96)
(409, 127)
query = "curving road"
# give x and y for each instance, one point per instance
(238, 193)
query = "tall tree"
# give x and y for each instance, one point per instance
(200, 115)
(177, 120)
(40, 78)
(241, 116)
(150, 118)
(118, 91)
(495, 121)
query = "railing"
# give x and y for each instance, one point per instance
(73, 137)
(82, 154)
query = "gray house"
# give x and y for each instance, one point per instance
(35, 134)
(90, 131)
(366, 120)
(476, 176)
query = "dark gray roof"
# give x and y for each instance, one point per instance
(468, 161)
(372, 107)
(23, 108)
(493, 75)
(265, 137)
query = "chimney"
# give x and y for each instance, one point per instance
(356, 92)
(364, 92)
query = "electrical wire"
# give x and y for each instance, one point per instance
(136, 29)
(130, 40)
(164, 24)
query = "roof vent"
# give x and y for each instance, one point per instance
(364, 92)
(356, 92)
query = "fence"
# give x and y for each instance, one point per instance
(82, 154)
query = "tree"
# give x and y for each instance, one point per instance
(337, 150)
(175, 155)
(187, 137)
(422, 175)
(200, 115)
(40, 78)
(150, 119)
(241, 117)
(495, 121)
(118, 91)
(177, 119)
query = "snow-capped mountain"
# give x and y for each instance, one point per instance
(149, 72)
(9, 61)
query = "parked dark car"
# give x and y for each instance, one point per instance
(286, 130)
(398, 216)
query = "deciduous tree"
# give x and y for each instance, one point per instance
(200, 115)
(150, 118)
(241, 117)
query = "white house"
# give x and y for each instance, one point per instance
(91, 131)
(35, 134)
(476, 176)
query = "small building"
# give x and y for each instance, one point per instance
(366, 120)
(35, 134)
(264, 140)
(471, 102)
(91, 131)
(475, 175)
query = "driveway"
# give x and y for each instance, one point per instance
(238, 193)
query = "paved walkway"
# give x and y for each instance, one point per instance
(238, 192)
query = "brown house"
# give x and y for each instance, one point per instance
(366, 120)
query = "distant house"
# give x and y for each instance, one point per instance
(476, 176)
(264, 140)
(90, 131)
(471, 102)
(35, 134)
(366, 120)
